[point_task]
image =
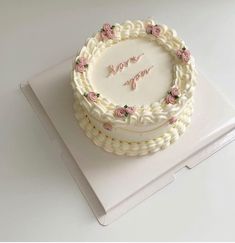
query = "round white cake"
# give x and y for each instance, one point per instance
(133, 85)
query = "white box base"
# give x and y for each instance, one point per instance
(114, 184)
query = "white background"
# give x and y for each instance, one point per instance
(39, 200)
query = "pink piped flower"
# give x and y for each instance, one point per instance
(80, 68)
(125, 111)
(156, 30)
(186, 53)
(186, 56)
(175, 92)
(130, 110)
(170, 99)
(92, 96)
(179, 53)
(107, 126)
(103, 36)
(82, 61)
(106, 27)
(107, 32)
(183, 54)
(172, 120)
(120, 112)
(81, 64)
(149, 28)
(110, 34)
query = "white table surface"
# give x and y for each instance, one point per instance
(39, 199)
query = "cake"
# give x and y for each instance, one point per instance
(133, 86)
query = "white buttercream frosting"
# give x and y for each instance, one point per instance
(103, 139)
(148, 129)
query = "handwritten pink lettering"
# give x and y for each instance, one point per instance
(133, 81)
(120, 67)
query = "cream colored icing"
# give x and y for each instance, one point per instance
(103, 139)
(150, 121)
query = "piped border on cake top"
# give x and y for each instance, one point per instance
(101, 108)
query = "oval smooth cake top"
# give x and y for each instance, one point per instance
(138, 72)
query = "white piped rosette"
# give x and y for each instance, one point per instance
(99, 117)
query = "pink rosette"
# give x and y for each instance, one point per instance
(120, 112)
(103, 36)
(109, 34)
(170, 99)
(187, 53)
(175, 92)
(149, 28)
(172, 120)
(106, 32)
(92, 96)
(156, 31)
(185, 56)
(130, 110)
(107, 126)
(179, 53)
(82, 61)
(106, 27)
(79, 68)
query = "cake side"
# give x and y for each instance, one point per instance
(101, 137)
(135, 123)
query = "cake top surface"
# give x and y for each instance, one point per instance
(138, 72)
(149, 88)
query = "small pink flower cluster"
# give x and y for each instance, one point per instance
(172, 96)
(81, 64)
(172, 120)
(107, 32)
(154, 30)
(92, 96)
(122, 112)
(183, 54)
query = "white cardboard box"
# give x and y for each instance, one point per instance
(114, 184)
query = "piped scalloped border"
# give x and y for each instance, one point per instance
(134, 148)
(155, 112)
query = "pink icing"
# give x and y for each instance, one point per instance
(135, 59)
(82, 61)
(108, 126)
(172, 120)
(92, 96)
(106, 27)
(132, 82)
(130, 110)
(184, 55)
(120, 112)
(170, 99)
(110, 34)
(113, 70)
(79, 68)
(156, 31)
(81, 64)
(106, 32)
(187, 53)
(179, 53)
(103, 36)
(175, 91)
